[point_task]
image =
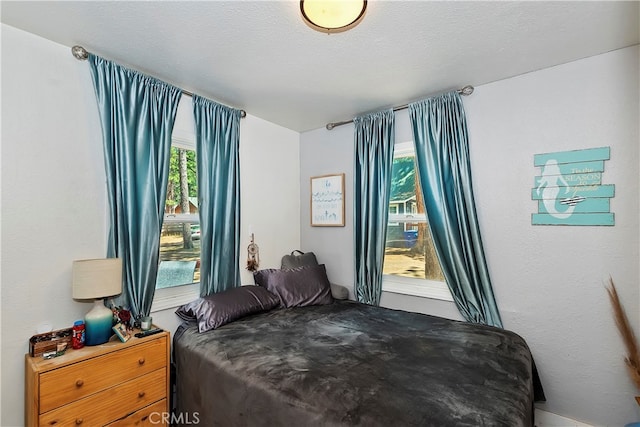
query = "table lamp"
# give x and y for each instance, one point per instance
(97, 279)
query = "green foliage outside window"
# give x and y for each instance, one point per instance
(174, 188)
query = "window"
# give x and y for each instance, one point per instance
(179, 267)
(180, 237)
(410, 262)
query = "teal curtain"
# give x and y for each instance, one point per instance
(137, 114)
(218, 166)
(442, 156)
(374, 143)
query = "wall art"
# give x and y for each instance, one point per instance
(327, 200)
(569, 189)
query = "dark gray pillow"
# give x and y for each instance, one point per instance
(299, 259)
(219, 309)
(297, 287)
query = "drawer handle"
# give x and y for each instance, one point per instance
(141, 361)
(141, 394)
(79, 421)
(79, 383)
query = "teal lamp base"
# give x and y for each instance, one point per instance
(98, 323)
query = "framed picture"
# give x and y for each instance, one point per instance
(122, 332)
(327, 200)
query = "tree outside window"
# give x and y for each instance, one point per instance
(180, 237)
(409, 250)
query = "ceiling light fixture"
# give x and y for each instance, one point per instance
(332, 16)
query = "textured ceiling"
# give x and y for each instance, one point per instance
(260, 56)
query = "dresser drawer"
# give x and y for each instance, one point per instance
(111, 404)
(156, 414)
(72, 382)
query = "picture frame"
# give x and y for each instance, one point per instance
(122, 332)
(327, 200)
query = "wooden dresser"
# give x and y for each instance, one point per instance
(115, 384)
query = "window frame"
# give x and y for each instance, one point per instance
(175, 296)
(423, 288)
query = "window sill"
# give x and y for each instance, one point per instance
(174, 297)
(416, 287)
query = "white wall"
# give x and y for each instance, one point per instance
(53, 197)
(320, 155)
(54, 202)
(553, 276)
(548, 280)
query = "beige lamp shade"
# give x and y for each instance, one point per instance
(97, 278)
(332, 16)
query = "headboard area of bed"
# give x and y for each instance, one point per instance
(343, 363)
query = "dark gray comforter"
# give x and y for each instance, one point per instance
(352, 364)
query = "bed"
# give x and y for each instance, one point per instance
(351, 364)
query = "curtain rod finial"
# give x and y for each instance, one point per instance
(467, 90)
(79, 53)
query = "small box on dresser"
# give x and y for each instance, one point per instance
(114, 384)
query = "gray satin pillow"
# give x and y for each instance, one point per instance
(297, 287)
(216, 310)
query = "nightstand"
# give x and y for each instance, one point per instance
(113, 384)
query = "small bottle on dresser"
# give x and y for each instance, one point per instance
(77, 338)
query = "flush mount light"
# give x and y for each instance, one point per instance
(332, 16)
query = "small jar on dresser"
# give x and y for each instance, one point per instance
(114, 384)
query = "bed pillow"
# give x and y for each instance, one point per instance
(297, 287)
(215, 310)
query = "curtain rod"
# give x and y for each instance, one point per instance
(81, 54)
(465, 91)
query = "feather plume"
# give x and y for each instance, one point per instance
(628, 337)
